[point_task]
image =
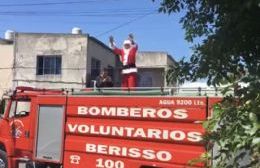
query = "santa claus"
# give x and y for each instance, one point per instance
(127, 56)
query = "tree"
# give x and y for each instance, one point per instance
(228, 54)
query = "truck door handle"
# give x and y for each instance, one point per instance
(27, 134)
(47, 157)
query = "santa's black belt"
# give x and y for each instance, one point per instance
(129, 66)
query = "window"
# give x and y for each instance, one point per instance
(20, 108)
(110, 71)
(49, 65)
(145, 79)
(95, 68)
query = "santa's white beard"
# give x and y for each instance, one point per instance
(126, 51)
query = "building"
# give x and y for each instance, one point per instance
(69, 60)
(54, 60)
(6, 64)
(152, 68)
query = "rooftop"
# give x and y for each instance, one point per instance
(154, 59)
(4, 41)
(69, 35)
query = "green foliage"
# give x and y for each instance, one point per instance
(235, 127)
(229, 54)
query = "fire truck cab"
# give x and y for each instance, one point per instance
(18, 127)
(116, 129)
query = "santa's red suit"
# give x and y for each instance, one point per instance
(127, 57)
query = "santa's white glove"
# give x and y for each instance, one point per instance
(112, 43)
(131, 38)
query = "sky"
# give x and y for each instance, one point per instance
(153, 31)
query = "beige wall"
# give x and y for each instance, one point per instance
(72, 48)
(151, 59)
(153, 65)
(151, 77)
(6, 63)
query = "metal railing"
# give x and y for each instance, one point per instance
(138, 91)
(151, 91)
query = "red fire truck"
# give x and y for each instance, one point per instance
(102, 129)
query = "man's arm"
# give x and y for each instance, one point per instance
(112, 44)
(134, 44)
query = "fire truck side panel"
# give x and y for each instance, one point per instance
(194, 108)
(133, 131)
(136, 150)
(137, 130)
(94, 160)
(156, 101)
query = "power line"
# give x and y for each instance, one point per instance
(102, 13)
(118, 12)
(126, 23)
(114, 10)
(47, 3)
(73, 15)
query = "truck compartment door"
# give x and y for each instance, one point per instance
(50, 133)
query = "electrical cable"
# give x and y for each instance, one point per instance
(124, 24)
(48, 3)
(122, 13)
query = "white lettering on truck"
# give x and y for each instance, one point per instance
(151, 133)
(147, 154)
(163, 113)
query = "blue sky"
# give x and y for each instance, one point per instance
(99, 18)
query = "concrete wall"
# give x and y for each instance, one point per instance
(151, 59)
(153, 65)
(150, 77)
(99, 51)
(6, 63)
(72, 48)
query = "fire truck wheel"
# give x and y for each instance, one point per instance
(3, 160)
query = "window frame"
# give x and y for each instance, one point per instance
(111, 71)
(54, 63)
(96, 69)
(13, 113)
